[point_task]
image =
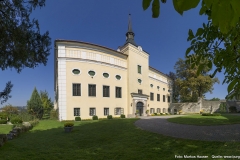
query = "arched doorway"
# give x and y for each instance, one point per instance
(139, 107)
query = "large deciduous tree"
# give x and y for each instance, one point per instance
(217, 41)
(192, 85)
(35, 105)
(21, 43)
(174, 87)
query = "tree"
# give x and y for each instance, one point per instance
(214, 99)
(191, 85)
(21, 44)
(35, 105)
(46, 101)
(174, 87)
(217, 41)
(9, 109)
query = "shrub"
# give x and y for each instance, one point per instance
(34, 123)
(54, 114)
(3, 115)
(77, 118)
(16, 120)
(109, 117)
(94, 117)
(166, 113)
(161, 113)
(68, 124)
(122, 116)
(155, 114)
(2, 121)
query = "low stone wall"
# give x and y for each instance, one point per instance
(196, 107)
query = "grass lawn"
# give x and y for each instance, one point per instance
(107, 140)
(4, 129)
(206, 120)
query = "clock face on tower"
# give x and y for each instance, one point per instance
(139, 48)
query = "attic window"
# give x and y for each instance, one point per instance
(75, 71)
(91, 73)
(106, 75)
(118, 77)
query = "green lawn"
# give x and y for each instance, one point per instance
(107, 140)
(206, 120)
(4, 129)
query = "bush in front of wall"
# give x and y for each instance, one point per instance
(122, 116)
(209, 114)
(3, 121)
(16, 120)
(109, 117)
(155, 114)
(77, 118)
(94, 117)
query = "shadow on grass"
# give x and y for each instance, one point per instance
(105, 139)
(224, 119)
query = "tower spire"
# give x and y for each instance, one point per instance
(130, 35)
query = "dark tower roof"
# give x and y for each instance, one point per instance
(130, 35)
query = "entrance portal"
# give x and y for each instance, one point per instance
(139, 107)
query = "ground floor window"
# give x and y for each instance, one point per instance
(152, 110)
(164, 110)
(119, 111)
(169, 110)
(76, 111)
(158, 110)
(106, 111)
(92, 111)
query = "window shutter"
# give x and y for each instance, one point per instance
(122, 110)
(115, 111)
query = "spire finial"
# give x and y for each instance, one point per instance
(130, 35)
(129, 23)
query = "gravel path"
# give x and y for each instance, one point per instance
(206, 133)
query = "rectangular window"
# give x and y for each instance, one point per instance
(163, 98)
(76, 89)
(118, 92)
(152, 110)
(76, 111)
(139, 91)
(139, 69)
(92, 111)
(92, 90)
(158, 110)
(158, 97)
(119, 111)
(151, 96)
(106, 111)
(168, 99)
(106, 91)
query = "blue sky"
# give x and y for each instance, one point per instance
(105, 23)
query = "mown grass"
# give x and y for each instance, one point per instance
(206, 120)
(117, 139)
(4, 128)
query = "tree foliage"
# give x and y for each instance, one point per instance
(214, 99)
(9, 109)
(225, 14)
(174, 87)
(35, 105)
(21, 43)
(5, 94)
(190, 84)
(217, 41)
(46, 101)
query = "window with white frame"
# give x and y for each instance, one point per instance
(106, 111)
(152, 110)
(76, 111)
(76, 89)
(158, 110)
(92, 111)
(119, 111)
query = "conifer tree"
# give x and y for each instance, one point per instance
(34, 105)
